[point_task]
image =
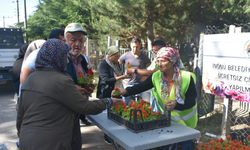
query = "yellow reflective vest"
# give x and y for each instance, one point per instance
(188, 117)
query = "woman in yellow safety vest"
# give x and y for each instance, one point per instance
(173, 89)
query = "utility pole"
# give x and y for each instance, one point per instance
(25, 21)
(17, 11)
(3, 22)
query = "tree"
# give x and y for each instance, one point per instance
(178, 21)
(53, 14)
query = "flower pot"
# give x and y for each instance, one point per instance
(117, 96)
(87, 86)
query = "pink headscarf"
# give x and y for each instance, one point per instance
(173, 56)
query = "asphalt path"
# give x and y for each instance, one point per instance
(8, 113)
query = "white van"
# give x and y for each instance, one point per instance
(11, 39)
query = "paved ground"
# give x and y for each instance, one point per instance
(92, 136)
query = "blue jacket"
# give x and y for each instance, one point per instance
(71, 69)
(76, 139)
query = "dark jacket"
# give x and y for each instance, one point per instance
(71, 69)
(17, 68)
(76, 139)
(45, 116)
(106, 82)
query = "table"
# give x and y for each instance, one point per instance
(143, 140)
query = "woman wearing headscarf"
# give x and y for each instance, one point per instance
(17, 67)
(110, 75)
(37, 44)
(33, 46)
(174, 90)
(48, 101)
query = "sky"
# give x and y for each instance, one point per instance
(8, 14)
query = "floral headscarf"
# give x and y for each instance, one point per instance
(53, 54)
(173, 56)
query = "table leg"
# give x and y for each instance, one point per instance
(170, 147)
(116, 145)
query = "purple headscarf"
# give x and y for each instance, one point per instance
(53, 54)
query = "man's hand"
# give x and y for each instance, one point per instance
(83, 91)
(171, 104)
(131, 70)
(116, 101)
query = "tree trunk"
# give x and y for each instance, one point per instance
(150, 26)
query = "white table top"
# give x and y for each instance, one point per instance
(146, 139)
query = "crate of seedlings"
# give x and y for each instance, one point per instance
(138, 116)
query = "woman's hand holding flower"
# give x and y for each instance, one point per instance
(122, 92)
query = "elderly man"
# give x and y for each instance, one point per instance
(137, 60)
(75, 37)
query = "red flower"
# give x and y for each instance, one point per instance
(87, 78)
(117, 92)
(237, 144)
(226, 145)
(90, 71)
(123, 103)
(212, 142)
(117, 107)
(128, 66)
(79, 73)
(203, 145)
(148, 115)
(221, 140)
(232, 143)
(228, 137)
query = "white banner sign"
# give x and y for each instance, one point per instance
(226, 65)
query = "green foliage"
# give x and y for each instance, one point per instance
(57, 14)
(177, 21)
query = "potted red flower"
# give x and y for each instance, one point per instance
(128, 65)
(117, 93)
(87, 80)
